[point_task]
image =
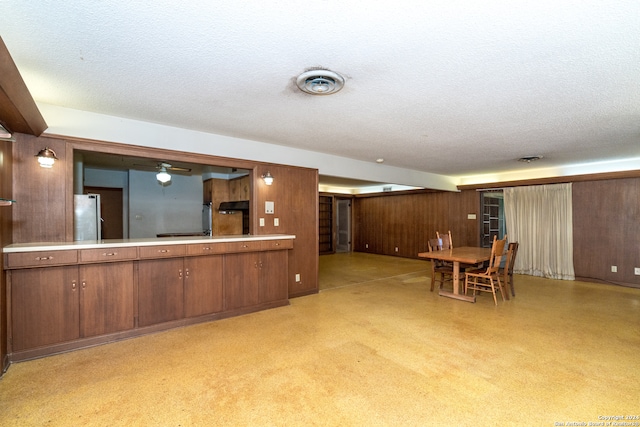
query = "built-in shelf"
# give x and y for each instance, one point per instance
(6, 202)
(325, 225)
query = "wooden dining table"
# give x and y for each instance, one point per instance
(465, 255)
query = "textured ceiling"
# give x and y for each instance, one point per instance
(448, 87)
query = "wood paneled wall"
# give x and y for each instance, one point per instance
(606, 230)
(40, 214)
(6, 216)
(606, 225)
(407, 221)
(295, 195)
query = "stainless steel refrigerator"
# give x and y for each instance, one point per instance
(87, 224)
(206, 219)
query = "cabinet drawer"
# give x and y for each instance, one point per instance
(205, 249)
(268, 245)
(45, 258)
(108, 254)
(164, 251)
(243, 246)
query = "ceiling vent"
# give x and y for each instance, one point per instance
(529, 159)
(320, 82)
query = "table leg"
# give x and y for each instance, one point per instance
(456, 286)
(456, 277)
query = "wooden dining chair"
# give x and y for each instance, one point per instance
(507, 270)
(440, 268)
(487, 280)
(445, 240)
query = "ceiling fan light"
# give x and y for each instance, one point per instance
(163, 176)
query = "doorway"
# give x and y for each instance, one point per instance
(493, 223)
(343, 225)
(111, 210)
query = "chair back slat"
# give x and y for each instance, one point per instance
(497, 252)
(445, 240)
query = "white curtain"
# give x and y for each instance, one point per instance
(540, 219)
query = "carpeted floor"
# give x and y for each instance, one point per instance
(373, 348)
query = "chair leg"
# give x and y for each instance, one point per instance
(493, 291)
(513, 290)
(502, 289)
(433, 274)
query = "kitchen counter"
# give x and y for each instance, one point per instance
(119, 243)
(69, 295)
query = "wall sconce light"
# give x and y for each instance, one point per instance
(46, 157)
(163, 176)
(268, 179)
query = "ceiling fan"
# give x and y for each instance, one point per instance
(165, 166)
(162, 167)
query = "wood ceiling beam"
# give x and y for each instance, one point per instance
(18, 110)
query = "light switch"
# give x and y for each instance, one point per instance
(261, 222)
(276, 222)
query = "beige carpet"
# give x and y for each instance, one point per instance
(373, 348)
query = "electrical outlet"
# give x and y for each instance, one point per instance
(366, 246)
(636, 271)
(298, 277)
(614, 268)
(396, 249)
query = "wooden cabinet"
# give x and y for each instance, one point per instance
(58, 304)
(273, 277)
(106, 298)
(160, 290)
(203, 285)
(170, 289)
(40, 259)
(67, 299)
(241, 277)
(44, 306)
(255, 278)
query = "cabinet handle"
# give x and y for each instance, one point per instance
(44, 258)
(73, 285)
(180, 273)
(245, 246)
(277, 244)
(163, 251)
(186, 272)
(84, 284)
(206, 248)
(110, 253)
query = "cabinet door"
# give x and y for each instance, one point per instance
(273, 276)
(44, 306)
(203, 285)
(241, 275)
(106, 298)
(160, 291)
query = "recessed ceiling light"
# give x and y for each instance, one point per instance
(380, 160)
(320, 82)
(529, 159)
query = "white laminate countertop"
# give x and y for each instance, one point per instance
(119, 243)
